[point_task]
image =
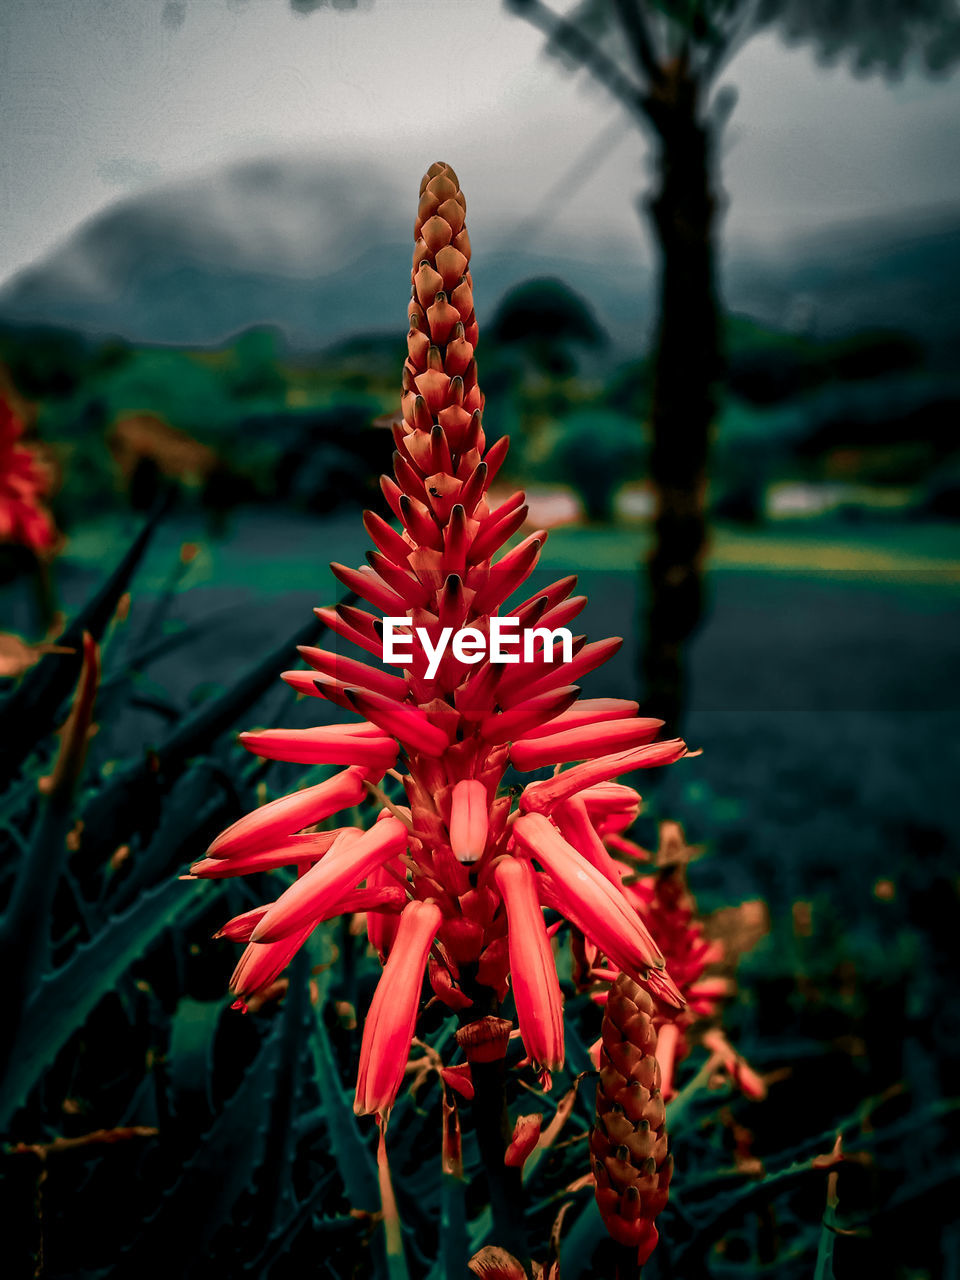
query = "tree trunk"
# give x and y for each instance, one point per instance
(687, 367)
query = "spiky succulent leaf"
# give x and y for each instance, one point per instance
(65, 998)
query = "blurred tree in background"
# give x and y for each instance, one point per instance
(546, 318)
(661, 59)
(616, 450)
(537, 341)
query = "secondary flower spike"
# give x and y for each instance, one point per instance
(628, 1145)
(657, 887)
(475, 866)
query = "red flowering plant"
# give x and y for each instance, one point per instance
(702, 953)
(455, 872)
(24, 484)
(645, 1040)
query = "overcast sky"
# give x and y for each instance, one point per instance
(102, 98)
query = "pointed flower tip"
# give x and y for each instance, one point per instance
(584, 742)
(664, 988)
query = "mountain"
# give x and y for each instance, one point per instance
(194, 261)
(899, 273)
(292, 241)
(305, 244)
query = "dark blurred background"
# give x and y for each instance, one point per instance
(203, 279)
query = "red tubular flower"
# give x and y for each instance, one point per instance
(452, 725)
(382, 925)
(589, 900)
(536, 988)
(303, 850)
(342, 744)
(469, 820)
(389, 1027)
(381, 898)
(587, 740)
(587, 711)
(526, 1135)
(261, 963)
(24, 484)
(573, 819)
(349, 861)
(541, 797)
(267, 826)
(612, 807)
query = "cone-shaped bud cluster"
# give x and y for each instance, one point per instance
(24, 483)
(451, 724)
(628, 1145)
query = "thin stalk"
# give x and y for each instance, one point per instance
(628, 1267)
(492, 1124)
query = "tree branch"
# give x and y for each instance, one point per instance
(742, 26)
(639, 38)
(572, 40)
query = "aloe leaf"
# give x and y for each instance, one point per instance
(105, 811)
(275, 1191)
(219, 714)
(281, 1241)
(453, 1252)
(221, 1169)
(197, 799)
(26, 928)
(358, 1170)
(170, 640)
(189, 1058)
(582, 1242)
(29, 712)
(724, 1208)
(65, 998)
(481, 1229)
(825, 1245)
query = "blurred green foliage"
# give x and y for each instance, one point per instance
(594, 450)
(866, 409)
(279, 426)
